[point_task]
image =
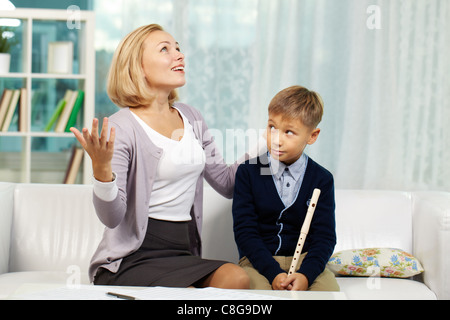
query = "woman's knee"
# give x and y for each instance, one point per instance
(231, 276)
(238, 277)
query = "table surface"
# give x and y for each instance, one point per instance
(43, 291)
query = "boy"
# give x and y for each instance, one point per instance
(271, 198)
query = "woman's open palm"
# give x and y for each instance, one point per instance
(99, 148)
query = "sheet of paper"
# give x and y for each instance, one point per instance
(85, 292)
(90, 292)
(163, 293)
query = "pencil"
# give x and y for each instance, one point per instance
(121, 296)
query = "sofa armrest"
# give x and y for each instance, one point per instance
(6, 213)
(431, 239)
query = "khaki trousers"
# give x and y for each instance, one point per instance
(324, 282)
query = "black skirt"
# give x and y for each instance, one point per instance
(164, 259)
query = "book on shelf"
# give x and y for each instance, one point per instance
(12, 105)
(11, 98)
(66, 112)
(4, 104)
(55, 115)
(70, 98)
(76, 109)
(74, 165)
(23, 111)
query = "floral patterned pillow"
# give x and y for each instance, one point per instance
(384, 262)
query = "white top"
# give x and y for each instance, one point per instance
(177, 173)
(107, 191)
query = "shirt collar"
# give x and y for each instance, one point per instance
(296, 169)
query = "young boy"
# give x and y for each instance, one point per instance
(271, 198)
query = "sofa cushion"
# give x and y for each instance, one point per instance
(371, 219)
(54, 228)
(217, 232)
(385, 262)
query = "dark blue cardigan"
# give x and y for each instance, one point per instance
(264, 227)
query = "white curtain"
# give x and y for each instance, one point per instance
(381, 66)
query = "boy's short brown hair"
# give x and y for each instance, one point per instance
(298, 102)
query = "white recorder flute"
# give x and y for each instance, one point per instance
(304, 231)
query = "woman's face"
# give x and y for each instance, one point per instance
(162, 62)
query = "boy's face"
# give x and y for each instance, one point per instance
(286, 138)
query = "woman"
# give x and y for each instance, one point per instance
(148, 186)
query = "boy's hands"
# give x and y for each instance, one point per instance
(295, 282)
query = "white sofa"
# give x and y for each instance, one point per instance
(49, 232)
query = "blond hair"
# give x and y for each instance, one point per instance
(298, 102)
(126, 85)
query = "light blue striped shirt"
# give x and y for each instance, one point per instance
(288, 179)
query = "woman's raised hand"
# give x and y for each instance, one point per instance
(100, 149)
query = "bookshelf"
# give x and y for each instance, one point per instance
(30, 153)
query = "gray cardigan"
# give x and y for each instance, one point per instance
(135, 161)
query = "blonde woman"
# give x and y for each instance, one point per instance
(149, 163)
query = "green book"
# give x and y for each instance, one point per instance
(58, 110)
(76, 108)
